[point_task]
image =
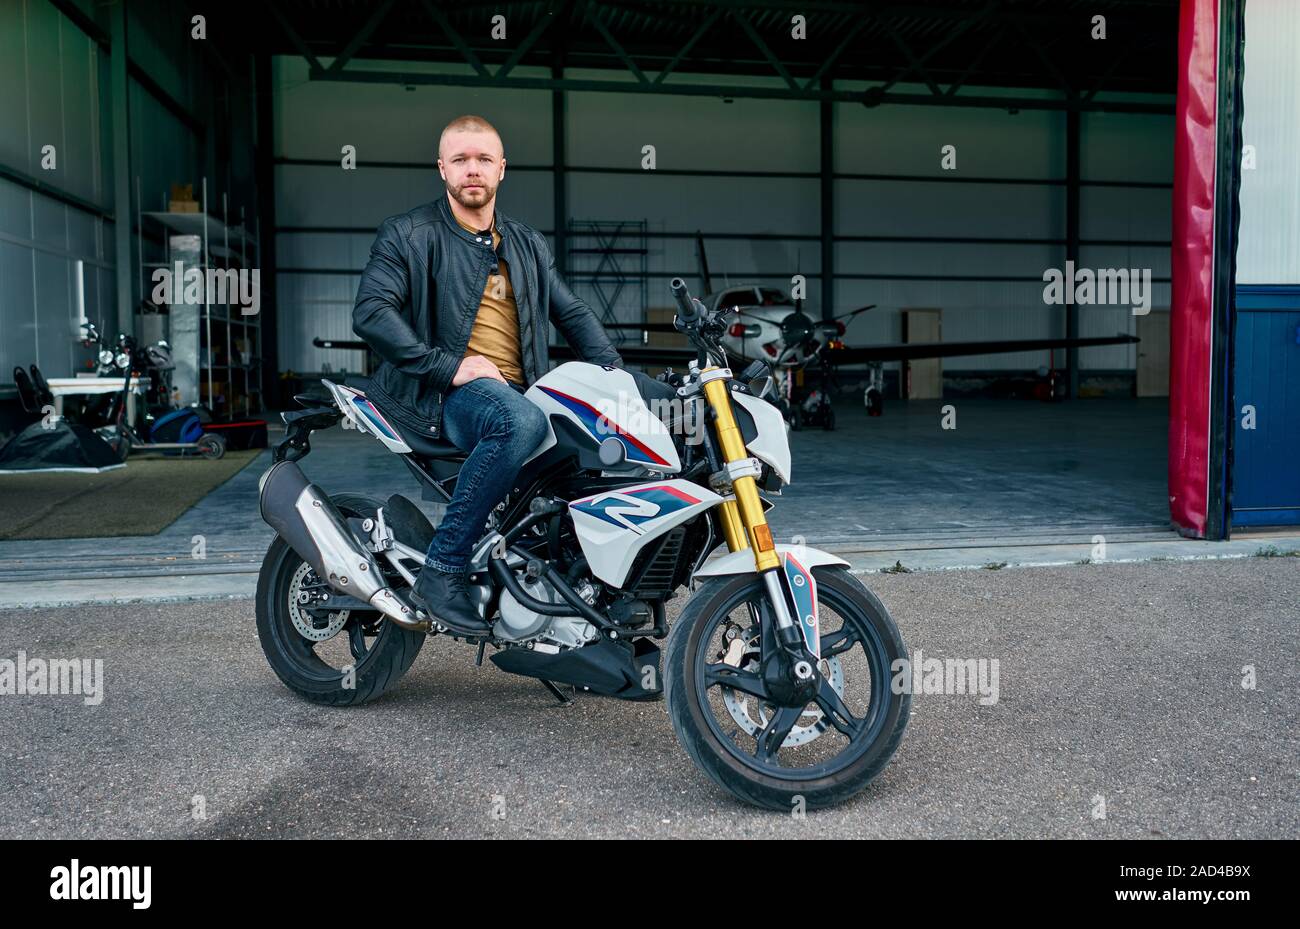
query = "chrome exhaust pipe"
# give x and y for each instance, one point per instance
(312, 526)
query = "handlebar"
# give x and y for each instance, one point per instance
(686, 306)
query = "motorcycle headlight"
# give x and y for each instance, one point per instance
(105, 357)
(122, 360)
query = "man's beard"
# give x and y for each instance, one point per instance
(473, 199)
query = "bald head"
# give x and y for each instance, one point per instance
(469, 125)
(471, 160)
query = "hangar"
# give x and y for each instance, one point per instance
(969, 169)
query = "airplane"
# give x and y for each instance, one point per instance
(772, 328)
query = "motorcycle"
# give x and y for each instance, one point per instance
(776, 674)
(163, 428)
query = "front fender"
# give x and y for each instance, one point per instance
(742, 562)
(797, 563)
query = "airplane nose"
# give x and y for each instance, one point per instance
(796, 329)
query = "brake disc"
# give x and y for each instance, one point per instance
(744, 707)
(299, 611)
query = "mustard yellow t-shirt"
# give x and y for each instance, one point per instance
(496, 327)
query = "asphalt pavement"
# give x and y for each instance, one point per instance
(1120, 713)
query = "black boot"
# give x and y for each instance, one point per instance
(444, 596)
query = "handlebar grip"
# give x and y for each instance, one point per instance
(685, 303)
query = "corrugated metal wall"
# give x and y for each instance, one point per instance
(52, 78)
(56, 89)
(700, 133)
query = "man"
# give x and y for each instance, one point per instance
(455, 300)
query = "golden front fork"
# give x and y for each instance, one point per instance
(743, 522)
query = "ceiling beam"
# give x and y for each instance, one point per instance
(722, 90)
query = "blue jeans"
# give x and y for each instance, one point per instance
(499, 429)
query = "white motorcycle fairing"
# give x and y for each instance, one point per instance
(772, 444)
(613, 526)
(365, 416)
(604, 402)
(742, 562)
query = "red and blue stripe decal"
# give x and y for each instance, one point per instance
(804, 589)
(367, 410)
(614, 506)
(602, 427)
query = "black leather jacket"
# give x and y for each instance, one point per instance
(421, 290)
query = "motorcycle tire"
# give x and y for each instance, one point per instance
(735, 767)
(389, 656)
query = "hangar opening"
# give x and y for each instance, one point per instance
(957, 230)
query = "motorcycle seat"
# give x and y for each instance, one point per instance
(425, 446)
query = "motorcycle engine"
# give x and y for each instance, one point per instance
(520, 624)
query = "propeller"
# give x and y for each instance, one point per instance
(861, 309)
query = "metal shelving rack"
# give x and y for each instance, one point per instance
(238, 244)
(608, 260)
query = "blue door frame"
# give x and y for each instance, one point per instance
(1266, 381)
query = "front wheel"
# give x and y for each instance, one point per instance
(757, 741)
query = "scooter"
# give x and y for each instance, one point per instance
(777, 672)
(128, 359)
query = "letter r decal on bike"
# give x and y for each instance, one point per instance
(805, 601)
(628, 509)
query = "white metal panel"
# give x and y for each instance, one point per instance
(15, 209)
(54, 313)
(387, 122)
(726, 204)
(694, 133)
(1126, 146)
(909, 139)
(1268, 245)
(78, 74)
(17, 309)
(606, 130)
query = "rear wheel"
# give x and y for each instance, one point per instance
(336, 657)
(762, 744)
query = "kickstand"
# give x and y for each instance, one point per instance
(478, 661)
(558, 694)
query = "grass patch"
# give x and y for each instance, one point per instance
(1272, 551)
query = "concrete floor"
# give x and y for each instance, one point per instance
(1017, 483)
(1116, 681)
(1009, 467)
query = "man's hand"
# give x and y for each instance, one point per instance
(475, 366)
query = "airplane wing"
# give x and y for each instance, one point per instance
(635, 354)
(907, 351)
(352, 345)
(643, 327)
